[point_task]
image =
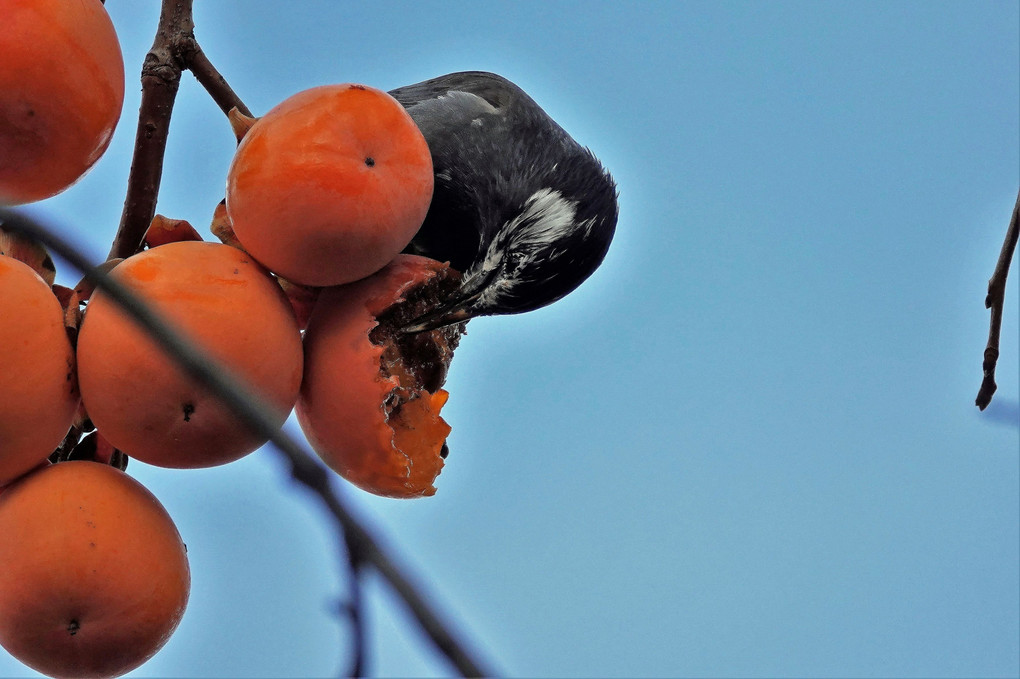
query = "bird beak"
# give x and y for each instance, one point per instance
(457, 311)
(462, 307)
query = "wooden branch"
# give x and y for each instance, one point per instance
(355, 610)
(995, 300)
(161, 77)
(214, 83)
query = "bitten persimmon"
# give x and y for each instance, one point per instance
(330, 185)
(229, 305)
(38, 389)
(94, 576)
(371, 394)
(61, 94)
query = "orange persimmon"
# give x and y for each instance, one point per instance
(371, 395)
(330, 185)
(38, 389)
(224, 301)
(94, 576)
(61, 94)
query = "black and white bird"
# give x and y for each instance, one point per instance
(520, 208)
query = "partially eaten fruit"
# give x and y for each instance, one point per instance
(371, 394)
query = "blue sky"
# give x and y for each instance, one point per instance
(747, 446)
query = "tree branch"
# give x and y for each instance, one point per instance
(214, 83)
(995, 300)
(355, 610)
(254, 413)
(161, 78)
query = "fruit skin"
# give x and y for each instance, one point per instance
(61, 94)
(330, 185)
(341, 407)
(38, 388)
(94, 576)
(225, 302)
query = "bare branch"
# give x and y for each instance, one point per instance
(995, 300)
(355, 611)
(254, 413)
(161, 77)
(215, 84)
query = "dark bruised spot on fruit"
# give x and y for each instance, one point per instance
(370, 161)
(72, 627)
(189, 409)
(418, 360)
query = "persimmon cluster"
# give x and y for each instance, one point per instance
(303, 300)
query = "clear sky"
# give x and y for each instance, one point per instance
(747, 446)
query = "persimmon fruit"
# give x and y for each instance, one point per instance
(94, 576)
(224, 301)
(371, 395)
(330, 185)
(38, 388)
(61, 94)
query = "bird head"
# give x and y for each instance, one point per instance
(543, 248)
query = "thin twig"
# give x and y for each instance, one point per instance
(995, 300)
(214, 83)
(255, 414)
(355, 610)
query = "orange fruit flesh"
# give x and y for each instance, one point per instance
(418, 363)
(412, 413)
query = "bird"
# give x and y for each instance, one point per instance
(520, 208)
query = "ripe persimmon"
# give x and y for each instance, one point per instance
(38, 389)
(61, 93)
(371, 394)
(230, 306)
(94, 576)
(330, 185)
